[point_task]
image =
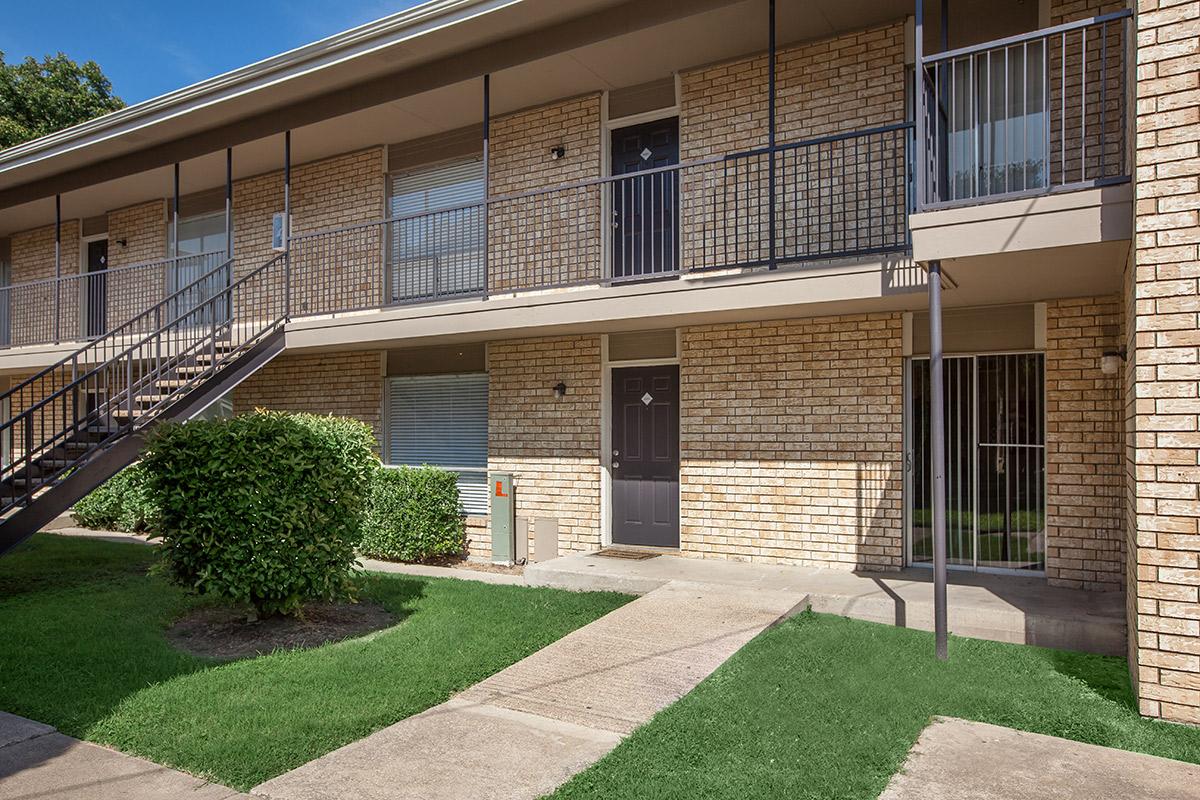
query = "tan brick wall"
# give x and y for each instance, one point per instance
(791, 441)
(143, 228)
(33, 308)
(343, 384)
(1166, 361)
(552, 238)
(1084, 446)
(551, 445)
(838, 85)
(344, 190)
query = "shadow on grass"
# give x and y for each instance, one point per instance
(1097, 673)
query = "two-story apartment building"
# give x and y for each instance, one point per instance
(668, 264)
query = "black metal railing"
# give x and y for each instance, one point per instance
(1027, 114)
(65, 414)
(834, 197)
(82, 306)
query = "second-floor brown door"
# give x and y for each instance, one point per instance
(96, 289)
(645, 239)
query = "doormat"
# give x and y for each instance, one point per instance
(632, 555)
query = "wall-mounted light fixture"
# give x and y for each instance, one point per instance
(1110, 361)
(123, 242)
(560, 390)
(557, 152)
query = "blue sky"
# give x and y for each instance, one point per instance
(148, 47)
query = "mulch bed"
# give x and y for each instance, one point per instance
(226, 634)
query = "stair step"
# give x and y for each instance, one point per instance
(171, 383)
(151, 399)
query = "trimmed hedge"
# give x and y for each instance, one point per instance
(263, 508)
(413, 515)
(122, 503)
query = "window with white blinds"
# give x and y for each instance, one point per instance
(437, 240)
(441, 420)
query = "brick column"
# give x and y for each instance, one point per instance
(1164, 370)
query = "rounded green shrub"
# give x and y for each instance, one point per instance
(264, 508)
(122, 503)
(413, 515)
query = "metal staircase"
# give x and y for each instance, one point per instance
(76, 423)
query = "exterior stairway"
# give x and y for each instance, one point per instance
(78, 422)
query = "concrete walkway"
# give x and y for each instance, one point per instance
(959, 760)
(38, 762)
(1005, 608)
(527, 729)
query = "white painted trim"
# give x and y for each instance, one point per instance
(643, 117)
(605, 445)
(906, 333)
(1039, 326)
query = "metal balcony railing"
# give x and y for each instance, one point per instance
(1027, 114)
(82, 306)
(831, 197)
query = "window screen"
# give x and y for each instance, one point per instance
(441, 420)
(437, 245)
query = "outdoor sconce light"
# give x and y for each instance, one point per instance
(560, 390)
(557, 152)
(1110, 362)
(123, 242)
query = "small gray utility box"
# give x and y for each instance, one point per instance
(503, 516)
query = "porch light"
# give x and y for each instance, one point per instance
(557, 152)
(560, 390)
(1110, 361)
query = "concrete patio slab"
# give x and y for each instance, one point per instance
(54, 765)
(527, 729)
(959, 760)
(1004, 608)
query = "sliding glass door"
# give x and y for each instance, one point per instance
(995, 462)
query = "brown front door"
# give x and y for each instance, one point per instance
(97, 288)
(645, 466)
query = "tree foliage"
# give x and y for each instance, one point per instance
(40, 97)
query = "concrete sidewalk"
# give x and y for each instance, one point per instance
(38, 762)
(1004, 608)
(959, 760)
(527, 729)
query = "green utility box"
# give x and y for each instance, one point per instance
(504, 518)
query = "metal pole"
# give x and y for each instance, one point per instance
(175, 212)
(487, 174)
(919, 105)
(228, 203)
(287, 224)
(771, 132)
(945, 25)
(937, 424)
(57, 267)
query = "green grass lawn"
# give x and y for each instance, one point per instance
(826, 707)
(83, 649)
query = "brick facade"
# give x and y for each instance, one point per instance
(1085, 546)
(33, 308)
(551, 445)
(344, 384)
(838, 85)
(553, 238)
(791, 442)
(332, 193)
(1165, 363)
(143, 229)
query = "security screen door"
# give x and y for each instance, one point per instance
(995, 462)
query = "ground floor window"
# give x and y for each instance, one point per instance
(995, 462)
(442, 421)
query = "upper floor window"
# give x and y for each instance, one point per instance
(436, 237)
(204, 233)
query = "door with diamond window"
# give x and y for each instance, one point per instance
(645, 464)
(645, 205)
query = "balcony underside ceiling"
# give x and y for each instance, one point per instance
(537, 51)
